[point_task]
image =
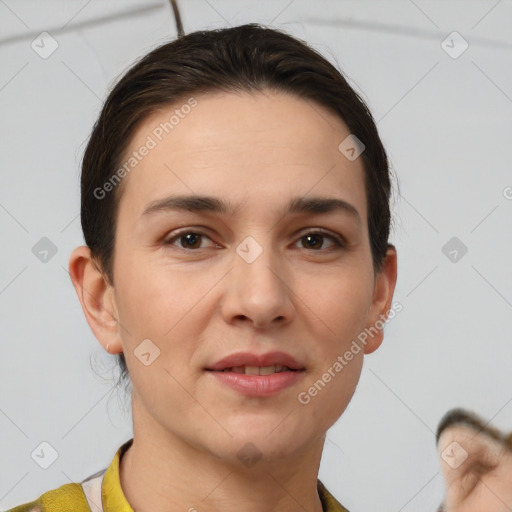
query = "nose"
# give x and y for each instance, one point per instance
(258, 290)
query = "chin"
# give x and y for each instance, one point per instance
(249, 451)
(273, 438)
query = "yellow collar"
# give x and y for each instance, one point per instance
(114, 499)
(112, 494)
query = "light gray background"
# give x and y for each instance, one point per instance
(446, 125)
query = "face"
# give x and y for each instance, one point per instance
(289, 288)
(477, 471)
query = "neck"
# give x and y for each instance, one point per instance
(162, 472)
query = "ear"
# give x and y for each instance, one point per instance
(97, 298)
(384, 287)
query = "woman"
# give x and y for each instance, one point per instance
(235, 207)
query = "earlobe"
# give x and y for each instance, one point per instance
(385, 282)
(96, 298)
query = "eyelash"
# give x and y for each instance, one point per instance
(338, 240)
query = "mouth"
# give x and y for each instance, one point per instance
(257, 370)
(257, 364)
(256, 375)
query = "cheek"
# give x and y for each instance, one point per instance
(169, 305)
(150, 294)
(338, 314)
(153, 306)
(339, 304)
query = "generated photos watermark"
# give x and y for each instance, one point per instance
(304, 397)
(157, 135)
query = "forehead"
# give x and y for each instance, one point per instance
(259, 145)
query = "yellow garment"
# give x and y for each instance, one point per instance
(71, 497)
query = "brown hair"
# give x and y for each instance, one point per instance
(246, 58)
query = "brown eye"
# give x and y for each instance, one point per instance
(187, 240)
(191, 240)
(315, 239)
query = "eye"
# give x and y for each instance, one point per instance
(188, 240)
(314, 239)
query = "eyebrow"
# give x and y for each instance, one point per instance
(297, 205)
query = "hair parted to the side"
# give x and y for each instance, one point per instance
(246, 58)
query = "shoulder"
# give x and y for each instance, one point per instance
(66, 498)
(82, 496)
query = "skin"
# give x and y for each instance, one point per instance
(482, 483)
(201, 304)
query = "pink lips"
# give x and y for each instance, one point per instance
(257, 385)
(249, 359)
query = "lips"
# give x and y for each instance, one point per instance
(264, 364)
(256, 375)
(258, 370)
